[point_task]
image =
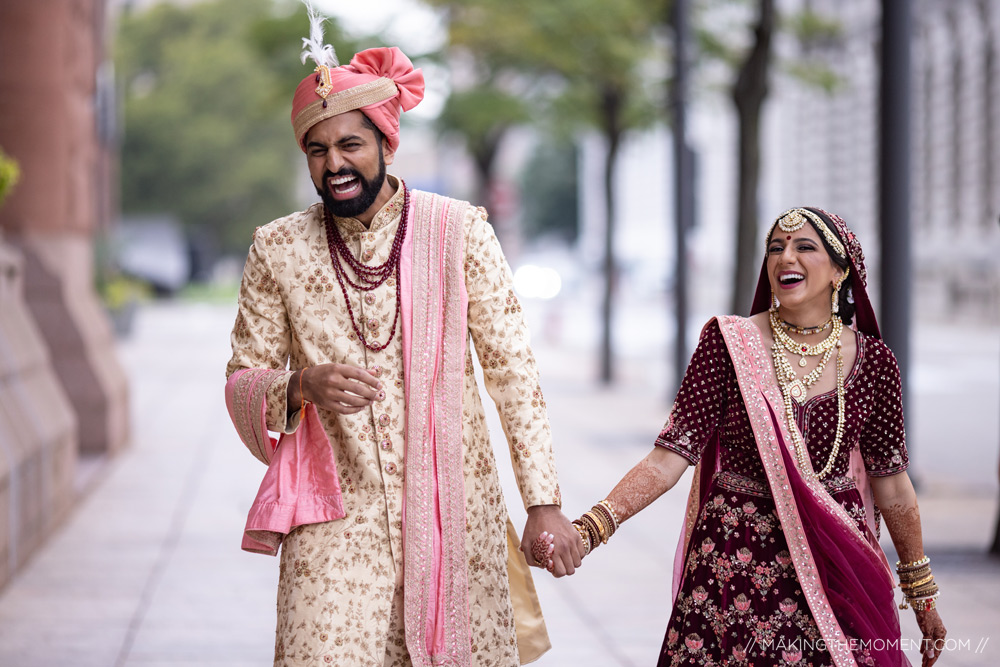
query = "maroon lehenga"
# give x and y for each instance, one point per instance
(740, 599)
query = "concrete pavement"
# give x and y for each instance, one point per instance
(148, 571)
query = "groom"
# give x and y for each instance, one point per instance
(403, 550)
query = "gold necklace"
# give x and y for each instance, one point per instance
(806, 331)
(797, 386)
(790, 384)
(802, 349)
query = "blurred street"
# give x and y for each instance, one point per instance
(148, 570)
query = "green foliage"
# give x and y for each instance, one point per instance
(207, 91)
(10, 173)
(581, 48)
(216, 292)
(815, 29)
(816, 75)
(818, 35)
(724, 35)
(549, 192)
(481, 115)
(121, 291)
(277, 41)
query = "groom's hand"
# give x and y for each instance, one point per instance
(567, 547)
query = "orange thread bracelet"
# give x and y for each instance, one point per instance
(302, 396)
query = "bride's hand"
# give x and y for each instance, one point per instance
(541, 550)
(934, 632)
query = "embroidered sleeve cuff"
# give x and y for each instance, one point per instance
(545, 494)
(692, 458)
(278, 419)
(889, 472)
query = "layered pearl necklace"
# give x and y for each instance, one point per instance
(794, 388)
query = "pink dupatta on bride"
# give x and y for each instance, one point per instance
(302, 486)
(843, 573)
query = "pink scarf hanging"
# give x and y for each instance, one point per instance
(301, 485)
(436, 604)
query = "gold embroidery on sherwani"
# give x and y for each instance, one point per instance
(339, 590)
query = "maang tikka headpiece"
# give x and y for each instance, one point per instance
(794, 219)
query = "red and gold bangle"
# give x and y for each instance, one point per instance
(584, 536)
(612, 515)
(924, 604)
(590, 523)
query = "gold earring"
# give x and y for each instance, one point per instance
(835, 297)
(774, 303)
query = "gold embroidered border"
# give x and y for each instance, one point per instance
(373, 92)
(750, 359)
(437, 236)
(732, 481)
(418, 540)
(451, 469)
(249, 401)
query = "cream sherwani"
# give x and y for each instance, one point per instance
(340, 585)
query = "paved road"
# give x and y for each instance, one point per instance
(148, 572)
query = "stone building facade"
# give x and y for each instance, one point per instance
(63, 394)
(828, 144)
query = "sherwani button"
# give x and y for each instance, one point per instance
(375, 370)
(380, 396)
(390, 468)
(369, 298)
(386, 445)
(383, 420)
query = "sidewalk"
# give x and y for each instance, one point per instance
(148, 571)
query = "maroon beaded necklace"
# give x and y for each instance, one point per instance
(368, 277)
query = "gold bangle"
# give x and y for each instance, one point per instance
(914, 571)
(917, 563)
(588, 523)
(606, 504)
(922, 592)
(915, 575)
(602, 531)
(601, 528)
(601, 514)
(584, 537)
(918, 582)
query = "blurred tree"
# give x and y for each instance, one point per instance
(207, 90)
(752, 64)
(749, 90)
(589, 63)
(549, 186)
(481, 116)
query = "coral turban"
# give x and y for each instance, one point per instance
(381, 83)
